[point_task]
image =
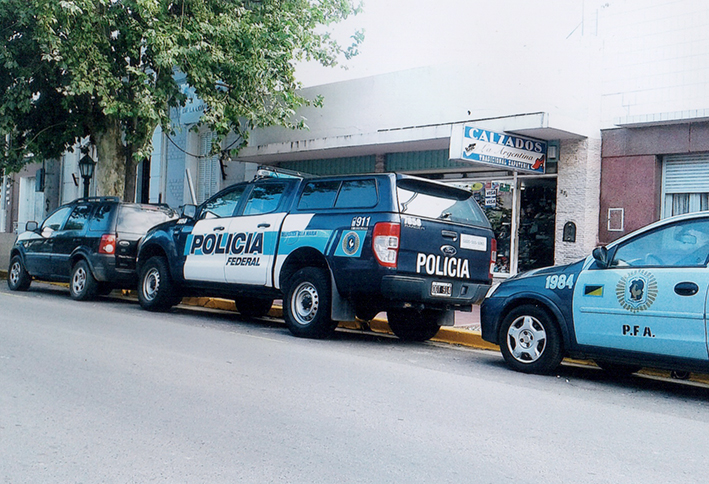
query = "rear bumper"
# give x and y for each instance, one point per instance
(105, 270)
(418, 290)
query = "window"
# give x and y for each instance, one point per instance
(438, 202)
(208, 169)
(264, 198)
(685, 184)
(357, 194)
(224, 204)
(55, 221)
(679, 245)
(101, 220)
(78, 218)
(137, 220)
(318, 195)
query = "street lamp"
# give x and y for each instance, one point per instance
(86, 167)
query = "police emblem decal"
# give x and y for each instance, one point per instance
(636, 291)
(350, 243)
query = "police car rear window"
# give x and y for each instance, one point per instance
(137, 220)
(333, 193)
(421, 199)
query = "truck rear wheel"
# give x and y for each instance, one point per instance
(412, 325)
(307, 304)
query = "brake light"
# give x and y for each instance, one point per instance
(385, 243)
(493, 256)
(108, 244)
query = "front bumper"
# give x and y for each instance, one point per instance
(490, 311)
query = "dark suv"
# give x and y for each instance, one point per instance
(90, 243)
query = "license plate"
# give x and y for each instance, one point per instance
(444, 289)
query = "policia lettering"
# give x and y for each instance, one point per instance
(232, 244)
(435, 265)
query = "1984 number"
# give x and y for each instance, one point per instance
(561, 281)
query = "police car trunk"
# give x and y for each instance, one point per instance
(446, 246)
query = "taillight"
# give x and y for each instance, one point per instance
(493, 256)
(108, 244)
(385, 243)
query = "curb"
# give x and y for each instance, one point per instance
(447, 334)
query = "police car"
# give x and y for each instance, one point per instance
(332, 247)
(639, 302)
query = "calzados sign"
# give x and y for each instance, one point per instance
(498, 149)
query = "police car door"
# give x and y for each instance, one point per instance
(207, 246)
(253, 235)
(652, 297)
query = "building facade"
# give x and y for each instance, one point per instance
(621, 106)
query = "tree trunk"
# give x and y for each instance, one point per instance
(110, 173)
(130, 175)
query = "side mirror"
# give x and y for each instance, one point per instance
(601, 256)
(189, 211)
(31, 226)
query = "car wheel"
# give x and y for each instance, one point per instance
(412, 325)
(82, 285)
(617, 369)
(18, 279)
(530, 340)
(155, 290)
(253, 307)
(307, 304)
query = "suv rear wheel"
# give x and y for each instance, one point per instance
(83, 285)
(156, 291)
(307, 304)
(412, 325)
(18, 279)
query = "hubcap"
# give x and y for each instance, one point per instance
(15, 272)
(526, 339)
(305, 303)
(151, 284)
(78, 283)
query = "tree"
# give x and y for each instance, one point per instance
(105, 70)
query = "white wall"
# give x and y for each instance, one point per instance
(656, 60)
(490, 82)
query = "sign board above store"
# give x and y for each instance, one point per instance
(517, 153)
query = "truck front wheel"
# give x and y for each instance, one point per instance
(412, 325)
(155, 290)
(307, 304)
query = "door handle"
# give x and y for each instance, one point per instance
(263, 225)
(449, 234)
(217, 229)
(686, 289)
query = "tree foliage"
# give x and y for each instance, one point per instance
(105, 70)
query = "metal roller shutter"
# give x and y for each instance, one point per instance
(686, 174)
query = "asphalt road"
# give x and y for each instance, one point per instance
(105, 392)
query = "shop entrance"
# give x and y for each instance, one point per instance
(524, 206)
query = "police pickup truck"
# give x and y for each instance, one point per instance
(332, 247)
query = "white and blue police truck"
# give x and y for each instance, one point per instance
(331, 247)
